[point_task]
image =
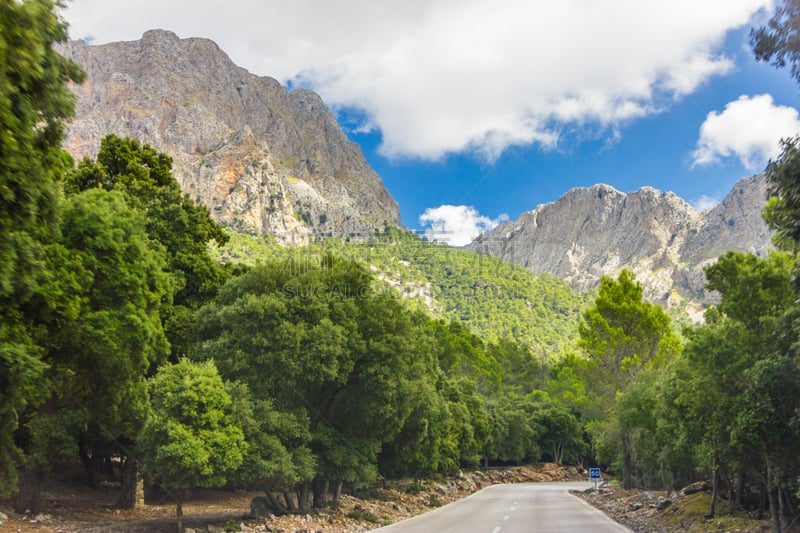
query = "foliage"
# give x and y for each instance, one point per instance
(495, 299)
(779, 40)
(181, 227)
(35, 102)
(320, 342)
(190, 439)
(101, 349)
(782, 212)
(622, 335)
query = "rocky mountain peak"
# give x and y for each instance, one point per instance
(596, 231)
(264, 159)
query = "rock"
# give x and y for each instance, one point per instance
(260, 507)
(265, 160)
(699, 486)
(663, 503)
(596, 231)
(41, 519)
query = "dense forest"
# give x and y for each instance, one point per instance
(494, 298)
(133, 342)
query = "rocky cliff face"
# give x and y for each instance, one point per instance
(596, 231)
(264, 159)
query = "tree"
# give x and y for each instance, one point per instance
(183, 228)
(623, 334)
(103, 335)
(35, 102)
(782, 212)
(190, 438)
(315, 339)
(779, 40)
(514, 433)
(561, 432)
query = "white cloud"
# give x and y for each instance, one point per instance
(443, 76)
(456, 225)
(749, 128)
(705, 203)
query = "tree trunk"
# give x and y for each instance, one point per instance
(337, 493)
(714, 488)
(740, 487)
(88, 464)
(320, 493)
(287, 495)
(302, 500)
(773, 504)
(627, 461)
(29, 497)
(179, 511)
(278, 508)
(781, 508)
(132, 496)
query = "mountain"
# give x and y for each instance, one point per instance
(264, 159)
(494, 298)
(596, 231)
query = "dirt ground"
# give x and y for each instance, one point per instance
(662, 512)
(69, 506)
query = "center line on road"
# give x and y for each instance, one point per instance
(497, 529)
(512, 508)
(506, 517)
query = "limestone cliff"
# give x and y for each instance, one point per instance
(596, 231)
(265, 160)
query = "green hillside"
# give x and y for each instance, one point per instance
(496, 299)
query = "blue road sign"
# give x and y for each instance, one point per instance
(594, 473)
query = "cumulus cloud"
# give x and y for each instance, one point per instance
(456, 225)
(749, 128)
(705, 203)
(443, 76)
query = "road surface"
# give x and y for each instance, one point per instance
(514, 508)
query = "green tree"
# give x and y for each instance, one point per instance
(183, 228)
(312, 336)
(514, 433)
(623, 334)
(35, 102)
(779, 40)
(277, 446)
(190, 438)
(782, 211)
(561, 433)
(759, 366)
(103, 334)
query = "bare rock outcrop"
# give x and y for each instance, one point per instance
(596, 231)
(264, 159)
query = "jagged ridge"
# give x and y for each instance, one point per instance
(596, 231)
(265, 160)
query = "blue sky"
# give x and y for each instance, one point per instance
(656, 150)
(474, 111)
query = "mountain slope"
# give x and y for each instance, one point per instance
(265, 160)
(596, 231)
(495, 298)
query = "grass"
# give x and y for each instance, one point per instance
(690, 515)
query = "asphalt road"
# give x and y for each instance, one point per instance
(514, 508)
